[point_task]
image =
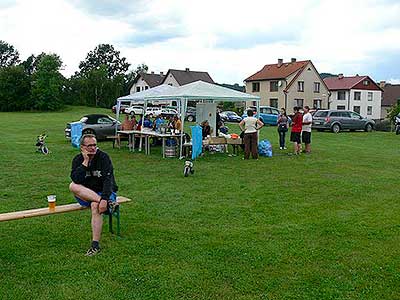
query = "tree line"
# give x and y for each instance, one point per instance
(37, 83)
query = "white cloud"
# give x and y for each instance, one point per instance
(229, 39)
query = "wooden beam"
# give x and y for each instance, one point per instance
(46, 211)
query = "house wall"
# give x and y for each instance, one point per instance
(141, 84)
(349, 103)
(309, 75)
(170, 79)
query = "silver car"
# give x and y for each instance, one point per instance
(337, 120)
(97, 124)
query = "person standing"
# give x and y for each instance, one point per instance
(93, 185)
(282, 128)
(295, 134)
(306, 129)
(250, 125)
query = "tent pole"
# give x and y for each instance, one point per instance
(259, 114)
(117, 115)
(183, 103)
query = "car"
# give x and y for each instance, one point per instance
(153, 111)
(121, 108)
(268, 115)
(98, 124)
(168, 112)
(230, 116)
(338, 120)
(190, 114)
(134, 110)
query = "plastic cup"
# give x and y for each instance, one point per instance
(51, 199)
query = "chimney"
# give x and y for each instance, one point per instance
(340, 76)
(280, 62)
(187, 70)
(161, 73)
(382, 84)
(152, 72)
(293, 59)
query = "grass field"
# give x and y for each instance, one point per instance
(323, 226)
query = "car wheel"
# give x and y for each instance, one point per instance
(335, 128)
(368, 128)
(190, 118)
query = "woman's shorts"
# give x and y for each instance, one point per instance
(113, 198)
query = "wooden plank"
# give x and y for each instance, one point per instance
(46, 211)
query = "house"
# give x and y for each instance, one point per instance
(289, 84)
(357, 93)
(390, 97)
(182, 77)
(144, 81)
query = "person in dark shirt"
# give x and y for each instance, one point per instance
(93, 185)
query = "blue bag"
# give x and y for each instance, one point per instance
(265, 148)
(76, 133)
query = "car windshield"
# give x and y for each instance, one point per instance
(321, 114)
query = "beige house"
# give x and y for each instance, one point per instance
(289, 84)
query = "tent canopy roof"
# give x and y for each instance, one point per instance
(200, 90)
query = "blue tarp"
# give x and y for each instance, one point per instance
(197, 141)
(76, 133)
(265, 148)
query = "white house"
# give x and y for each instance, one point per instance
(145, 81)
(357, 93)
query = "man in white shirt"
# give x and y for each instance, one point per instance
(306, 129)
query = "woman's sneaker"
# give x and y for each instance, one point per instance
(92, 251)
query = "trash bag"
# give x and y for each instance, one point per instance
(76, 133)
(265, 148)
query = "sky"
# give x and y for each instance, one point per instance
(229, 39)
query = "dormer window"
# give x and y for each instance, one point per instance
(365, 82)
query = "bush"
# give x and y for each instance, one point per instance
(383, 125)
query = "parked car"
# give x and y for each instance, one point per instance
(190, 114)
(337, 120)
(168, 112)
(97, 124)
(230, 116)
(153, 111)
(121, 108)
(267, 115)
(134, 110)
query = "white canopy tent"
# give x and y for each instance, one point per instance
(203, 91)
(195, 91)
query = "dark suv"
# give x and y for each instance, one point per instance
(337, 120)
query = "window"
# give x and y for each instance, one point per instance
(341, 107)
(369, 110)
(298, 102)
(344, 114)
(321, 114)
(265, 110)
(104, 120)
(300, 86)
(256, 86)
(317, 86)
(365, 82)
(275, 111)
(273, 102)
(138, 89)
(353, 115)
(357, 95)
(341, 95)
(146, 87)
(273, 86)
(356, 109)
(370, 96)
(317, 103)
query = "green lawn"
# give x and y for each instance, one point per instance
(323, 226)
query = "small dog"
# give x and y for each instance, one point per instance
(188, 168)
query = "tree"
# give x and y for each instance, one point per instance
(31, 63)
(104, 55)
(8, 55)
(47, 83)
(393, 111)
(15, 89)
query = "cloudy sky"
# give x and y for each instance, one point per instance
(229, 39)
